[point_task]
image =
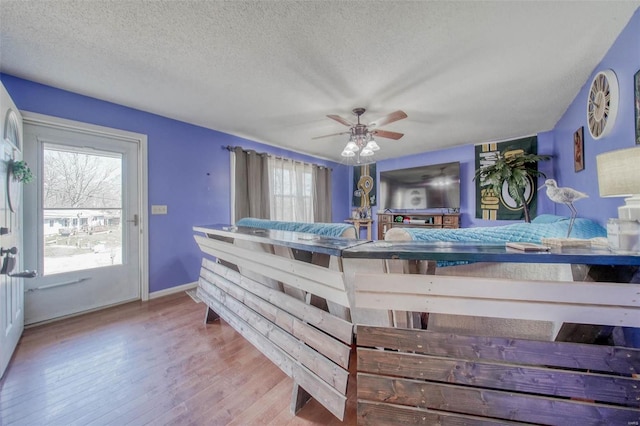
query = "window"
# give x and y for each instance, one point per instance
(280, 189)
(290, 190)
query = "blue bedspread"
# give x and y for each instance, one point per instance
(324, 229)
(544, 226)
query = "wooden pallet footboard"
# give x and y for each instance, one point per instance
(412, 376)
(408, 376)
(310, 345)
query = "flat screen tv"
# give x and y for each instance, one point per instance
(434, 186)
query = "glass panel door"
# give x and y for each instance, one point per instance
(83, 219)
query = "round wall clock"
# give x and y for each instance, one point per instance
(602, 103)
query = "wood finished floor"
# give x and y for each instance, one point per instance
(151, 363)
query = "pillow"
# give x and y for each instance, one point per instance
(548, 218)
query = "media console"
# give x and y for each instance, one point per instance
(387, 221)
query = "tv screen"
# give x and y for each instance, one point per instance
(435, 186)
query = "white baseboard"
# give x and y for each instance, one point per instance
(172, 290)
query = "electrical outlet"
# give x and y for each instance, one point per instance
(158, 209)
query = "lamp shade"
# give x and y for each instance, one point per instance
(351, 146)
(618, 172)
(372, 145)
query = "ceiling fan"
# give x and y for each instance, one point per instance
(362, 130)
(361, 142)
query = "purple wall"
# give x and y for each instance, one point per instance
(188, 171)
(624, 59)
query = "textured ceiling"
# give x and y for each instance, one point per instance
(271, 71)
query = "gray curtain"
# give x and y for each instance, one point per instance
(321, 194)
(252, 185)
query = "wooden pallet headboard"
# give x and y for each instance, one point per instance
(309, 344)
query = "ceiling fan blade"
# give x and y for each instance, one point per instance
(390, 118)
(341, 120)
(387, 134)
(333, 134)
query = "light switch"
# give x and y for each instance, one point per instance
(158, 209)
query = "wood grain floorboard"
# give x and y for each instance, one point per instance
(151, 363)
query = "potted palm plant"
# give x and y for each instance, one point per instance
(514, 169)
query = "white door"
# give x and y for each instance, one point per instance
(86, 213)
(11, 289)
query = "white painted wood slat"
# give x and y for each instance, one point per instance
(335, 350)
(337, 327)
(597, 293)
(320, 281)
(329, 397)
(331, 373)
(530, 300)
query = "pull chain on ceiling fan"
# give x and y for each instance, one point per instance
(361, 141)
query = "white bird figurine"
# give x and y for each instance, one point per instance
(564, 195)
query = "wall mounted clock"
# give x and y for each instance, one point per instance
(602, 103)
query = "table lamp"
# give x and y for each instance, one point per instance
(619, 176)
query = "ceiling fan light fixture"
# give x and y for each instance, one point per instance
(361, 139)
(372, 145)
(351, 146)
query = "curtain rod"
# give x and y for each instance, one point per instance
(231, 148)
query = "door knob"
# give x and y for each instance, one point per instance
(12, 250)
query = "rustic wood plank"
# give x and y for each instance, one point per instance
(296, 332)
(256, 247)
(299, 397)
(597, 293)
(304, 276)
(321, 391)
(337, 327)
(383, 414)
(287, 253)
(364, 315)
(604, 303)
(335, 263)
(510, 377)
(296, 349)
(571, 355)
(333, 349)
(490, 403)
